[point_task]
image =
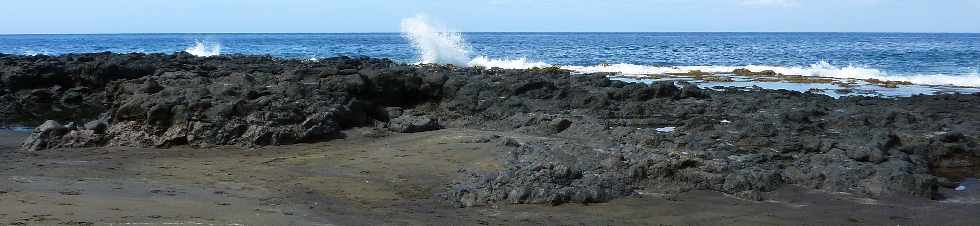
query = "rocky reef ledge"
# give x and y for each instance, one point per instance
(584, 139)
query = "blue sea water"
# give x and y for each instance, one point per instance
(932, 59)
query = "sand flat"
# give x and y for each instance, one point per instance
(392, 180)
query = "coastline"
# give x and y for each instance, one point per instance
(536, 136)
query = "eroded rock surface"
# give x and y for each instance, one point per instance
(584, 138)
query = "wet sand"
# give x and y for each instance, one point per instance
(366, 180)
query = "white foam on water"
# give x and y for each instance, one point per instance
(203, 49)
(968, 80)
(820, 69)
(519, 63)
(436, 44)
(35, 53)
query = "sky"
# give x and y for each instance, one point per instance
(340, 16)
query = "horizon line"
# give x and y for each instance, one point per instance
(512, 32)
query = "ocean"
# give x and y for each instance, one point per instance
(926, 59)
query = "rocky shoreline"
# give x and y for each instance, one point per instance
(587, 138)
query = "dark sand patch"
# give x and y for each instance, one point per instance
(373, 181)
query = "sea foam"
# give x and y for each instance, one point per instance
(819, 69)
(437, 44)
(519, 63)
(35, 53)
(203, 49)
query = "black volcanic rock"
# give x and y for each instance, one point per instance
(605, 139)
(45, 136)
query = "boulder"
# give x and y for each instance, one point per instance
(413, 124)
(558, 125)
(691, 91)
(665, 89)
(45, 136)
(747, 72)
(80, 139)
(151, 86)
(98, 125)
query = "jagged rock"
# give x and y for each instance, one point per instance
(45, 136)
(600, 139)
(550, 173)
(663, 89)
(865, 154)
(559, 125)
(413, 124)
(393, 112)
(80, 139)
(691, 91)
(98, 125)
(747, 72)
(319, 125)
(151, 86)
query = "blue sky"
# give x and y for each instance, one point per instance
(193, 16)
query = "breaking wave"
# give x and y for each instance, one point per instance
(820, 69)
(519, 63)
(203, 49)
(436, 44)
(35, 53)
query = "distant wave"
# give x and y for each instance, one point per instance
(436, 44)
(519, 63)
(820, 69)
(203, 49)
(35, 53)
